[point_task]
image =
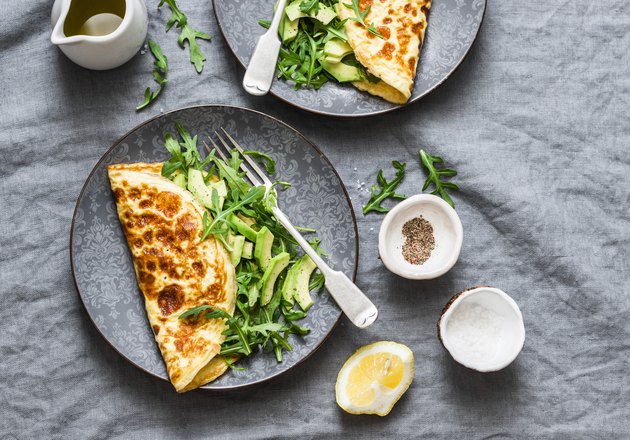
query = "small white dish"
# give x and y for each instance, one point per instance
(447, 231)
(478, 320)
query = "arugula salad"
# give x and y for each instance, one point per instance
(274, 281)
(384, 190)
(316, 48)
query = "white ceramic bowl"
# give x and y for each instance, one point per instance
(510, 331)
(447, 230)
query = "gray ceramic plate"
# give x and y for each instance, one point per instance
(102, 265)
(453, 27)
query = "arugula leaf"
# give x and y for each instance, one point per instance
(254, 194)
(160, 66)
(184, 155)
(267, 161)
(186, 34)
(387, 189)
(230, 364)
(266, 328)
(191, 155)
(309, 5)
(360, 17)
(282, 184)
(317, 281)
(233, 178)
(215, 312)
(434, 176)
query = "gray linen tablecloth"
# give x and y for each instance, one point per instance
(535, 120)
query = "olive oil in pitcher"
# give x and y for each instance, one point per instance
(94, 17)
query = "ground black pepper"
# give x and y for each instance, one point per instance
(419, 240)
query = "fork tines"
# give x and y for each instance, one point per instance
(257, 176)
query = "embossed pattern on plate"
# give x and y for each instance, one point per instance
(453, 27)
(102, 265)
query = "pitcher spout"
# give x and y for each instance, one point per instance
(58, 38)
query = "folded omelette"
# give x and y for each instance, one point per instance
(394, 58)
(175, 270)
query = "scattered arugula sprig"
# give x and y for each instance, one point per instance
(186, 34)
(384, 189)
(160, 65)
(360, 17)
(434, 176)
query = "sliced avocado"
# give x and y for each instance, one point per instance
(243, 228)
(221, 188)
(289, 30)
(283, 20)
(180, 180)
(331, 60)
(337, 48)
(289, 282)
(248, 250)
(342, 72)
(275, 267)
(198, 188)
(237, 242)
(248, 220)
(325, 13)
(253, 294)
(286, 295)
(299, 282)
(262, 249)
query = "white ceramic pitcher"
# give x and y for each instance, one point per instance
(110, 32)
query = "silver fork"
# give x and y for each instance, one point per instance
(352, 301)
(262, 66)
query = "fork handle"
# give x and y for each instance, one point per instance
(350, 299)
(262, 66)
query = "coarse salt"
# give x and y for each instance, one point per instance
(475, 332)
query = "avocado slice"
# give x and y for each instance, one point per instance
(262, 249)
(201, 191)
(253, 294)
(331, 60)
(341, 72)
(289, 30)
(325, 13)
(248, 250)
(243, 228)
(180, 180)
(289, 282)
(237, 242)
(221, 188)
(275, 267)
(248, 220)
(298, 280)
(336, 48)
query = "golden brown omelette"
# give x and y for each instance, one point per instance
(393, 58)
(175, 270)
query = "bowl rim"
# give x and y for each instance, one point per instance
(455, 301)
(419, 273)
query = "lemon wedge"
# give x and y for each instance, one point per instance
(374, 378)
